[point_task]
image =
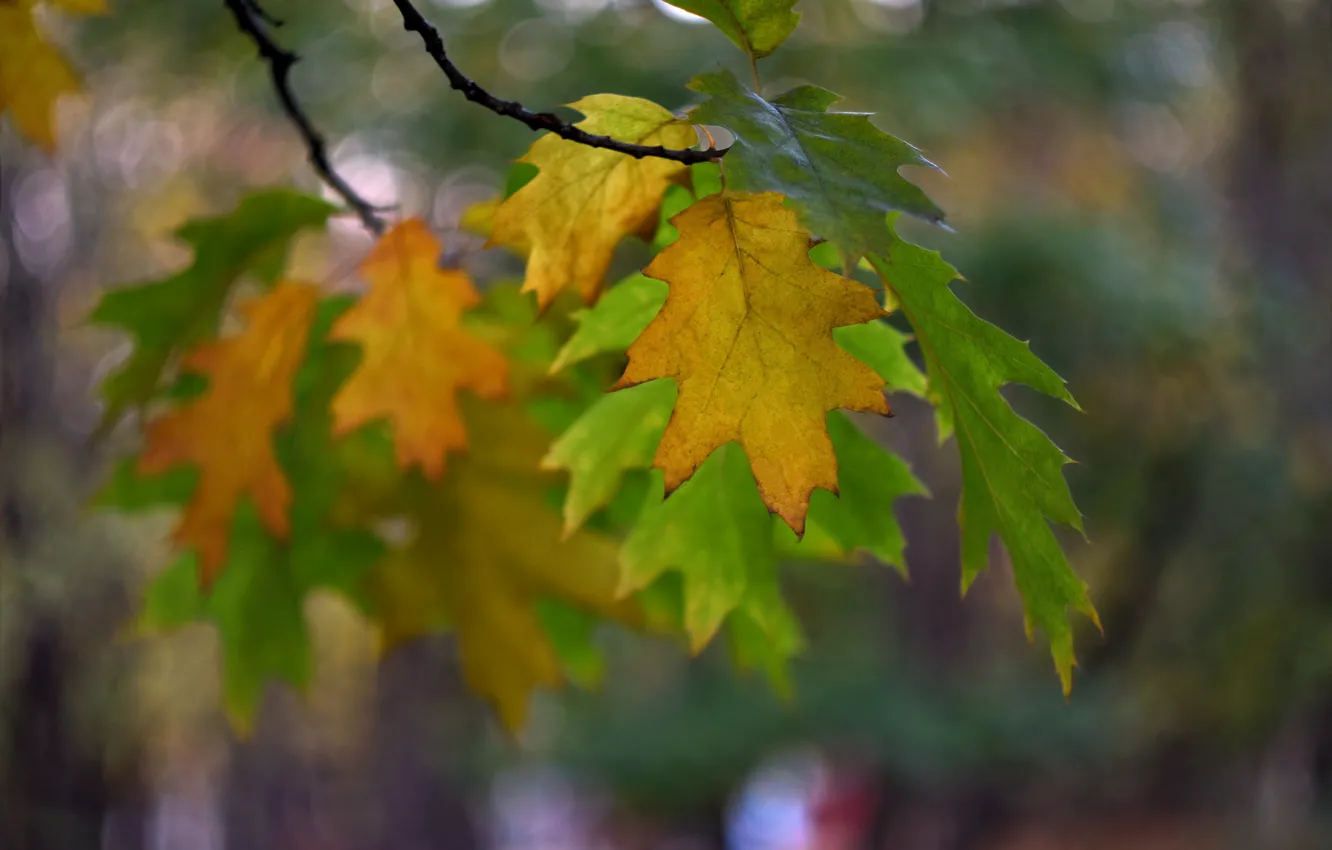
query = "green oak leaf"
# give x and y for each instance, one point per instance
(675, 201)
(615, 321)
(1012, 474)
(882, 347)
(838, 171)
(816, 544)
(758, 27)
(256, 603)
(620, 432)
(167, 316)
(324, 551)
(572, 632)
(625, 309)
(520, 174)
(869, 480)
(706, 178)
(716, 531)
(763, 633)
(128, 492)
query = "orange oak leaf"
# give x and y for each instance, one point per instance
(746, 332)
(584, 200)
(416, 354)
(228, 431)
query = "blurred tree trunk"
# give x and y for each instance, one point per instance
(392, 790)
(50, 796)
(1281, 186)
(423, 719)
(1281, 223)
(61, 597)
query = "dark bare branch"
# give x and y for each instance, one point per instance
(414, 21)
(252, 20)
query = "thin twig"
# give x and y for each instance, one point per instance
(414, 21)
(262, 13)
(251, 19)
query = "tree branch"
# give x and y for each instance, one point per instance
(251, 20)
(414, 21)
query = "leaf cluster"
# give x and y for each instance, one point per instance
(515, 471)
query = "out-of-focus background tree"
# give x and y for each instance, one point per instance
(1141, 187)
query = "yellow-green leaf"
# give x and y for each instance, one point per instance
(757, 27)
(747, 333)
(33, 75)
(584, 200)
(485, 550)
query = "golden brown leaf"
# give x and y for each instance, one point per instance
(416, 355)
(479, 220)
(585, 200)
(487, 548)
(747, 334)
(228, 431)
(33, 75)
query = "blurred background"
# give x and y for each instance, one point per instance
(1143, 188)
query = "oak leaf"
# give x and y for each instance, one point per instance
(33, 75)
(839, 171)
(621, 431)
(882, 347)
(257, 603)
(228, 431)
(747, 332)
(585, 200)
(757, 27)
(416, 354)
(870, 479)
(485, 551)
(716, 533)
(165, 317)
(614, 322)
(1012, 474)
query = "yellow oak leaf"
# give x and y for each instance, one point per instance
(80, 7)
(479, 220)
(416, 355)
(228, 431)
(486, 549)
(746, 332)
(585, 200)
(33, 75)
